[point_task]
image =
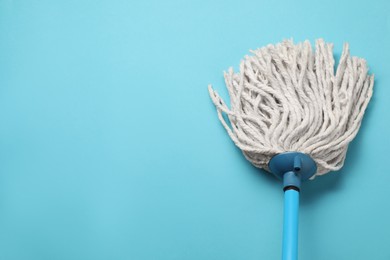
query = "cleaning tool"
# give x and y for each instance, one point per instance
(291, 114)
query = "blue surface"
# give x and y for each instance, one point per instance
(110, 147)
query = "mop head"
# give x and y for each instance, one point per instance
(288, 98)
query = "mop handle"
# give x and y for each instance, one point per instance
(292, 168)
(290, 225)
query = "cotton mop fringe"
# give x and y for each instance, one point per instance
(286, 97)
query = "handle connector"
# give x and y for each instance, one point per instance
(293, 168)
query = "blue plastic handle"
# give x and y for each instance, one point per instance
(292, 168)
(290, 225)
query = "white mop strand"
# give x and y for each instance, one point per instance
(287, 98)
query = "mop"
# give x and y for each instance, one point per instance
(292, 115)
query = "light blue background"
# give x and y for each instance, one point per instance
(111, 149)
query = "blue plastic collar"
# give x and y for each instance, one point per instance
(292, 168)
